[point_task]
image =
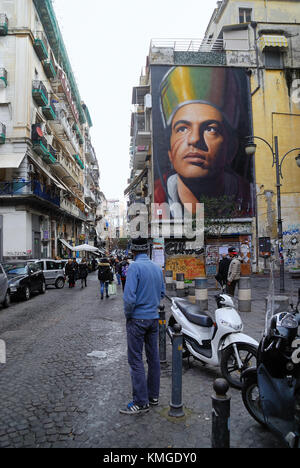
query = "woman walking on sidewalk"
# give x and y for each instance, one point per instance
(105, 276)
(83, 272)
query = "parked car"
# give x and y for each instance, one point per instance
(24, 277)
(4, 289)
(53, 271)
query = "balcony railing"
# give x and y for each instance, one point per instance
(49, 68)
(49, 112)
(3, 76)
(41, 45)
(2, 133)
(188, 45)
(46, 151)
(3, 24)
(78, 160)
(32, 187)
(39, 93)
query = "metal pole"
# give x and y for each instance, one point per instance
(162, 335)
(220, 437)
(176, 406)
(279, 222)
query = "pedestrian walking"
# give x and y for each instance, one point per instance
(118, 269)
(105, 276)
(234, 272)
(75, 266)
(124, 269)
(70, 273)
(223, 268)
(143, 292)
(83, 272)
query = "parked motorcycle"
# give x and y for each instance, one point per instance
(217, 342)
(271, 392)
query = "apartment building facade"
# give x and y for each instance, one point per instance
(49, 173)
(257, 42)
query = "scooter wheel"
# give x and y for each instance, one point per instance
(229, 366)
(251, 398)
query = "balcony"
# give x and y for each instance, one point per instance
(39, 93)
(64, 169)
(49, 113)
(3, 77)
(2, 133)
(78, 134)
(3, 24)
(41, 45)
(47, 152)
(28, 188)
(49, 69)
(78, 160)
(71, 209)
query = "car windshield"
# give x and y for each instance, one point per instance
(15, 268)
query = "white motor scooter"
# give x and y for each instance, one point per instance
(219, 342)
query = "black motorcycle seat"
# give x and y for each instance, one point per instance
(193, 313)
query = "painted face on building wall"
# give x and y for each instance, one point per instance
(197, 141)
(200, 115)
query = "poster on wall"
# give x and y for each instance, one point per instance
(192, 267)
(201, 116)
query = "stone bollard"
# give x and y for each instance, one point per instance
(180, 286)
(162, 335)
(176, 406)
(220, 437)
(281, 304)
(201, 293)
(244, 294)
(169, 280)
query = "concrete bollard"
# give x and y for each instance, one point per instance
(244, 294)
(281, 304)
(192, 294)
(220, 437)
(169, 280)
(201, 293)
(180, 286)
(176, 406)
(162, 335)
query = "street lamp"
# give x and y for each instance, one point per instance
(250, 149)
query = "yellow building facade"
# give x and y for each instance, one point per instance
(262, 35)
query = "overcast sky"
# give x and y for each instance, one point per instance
(107, 43)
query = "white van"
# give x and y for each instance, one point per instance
(53, 271)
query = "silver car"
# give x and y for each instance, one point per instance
(4, 289)
(53, 271)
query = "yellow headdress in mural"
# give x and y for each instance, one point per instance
(216, 86)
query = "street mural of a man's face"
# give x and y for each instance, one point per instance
(197, 140)
(200, 115)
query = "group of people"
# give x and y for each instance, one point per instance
(77, 271)
(229, 271)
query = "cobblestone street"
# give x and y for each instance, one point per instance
(67, 375)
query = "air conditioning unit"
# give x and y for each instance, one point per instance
(148, 101)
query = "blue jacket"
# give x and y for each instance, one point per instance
(144, 289)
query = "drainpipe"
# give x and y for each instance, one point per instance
(254, 26)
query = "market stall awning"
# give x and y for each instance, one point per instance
(271, 40)
(65, 243)
(11, 161)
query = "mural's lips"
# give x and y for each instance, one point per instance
(195, 157)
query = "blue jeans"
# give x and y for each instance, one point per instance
(102, 284)
(138, 333)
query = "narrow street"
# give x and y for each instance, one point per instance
(67, 375)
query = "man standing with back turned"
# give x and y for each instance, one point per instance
(143, 292)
